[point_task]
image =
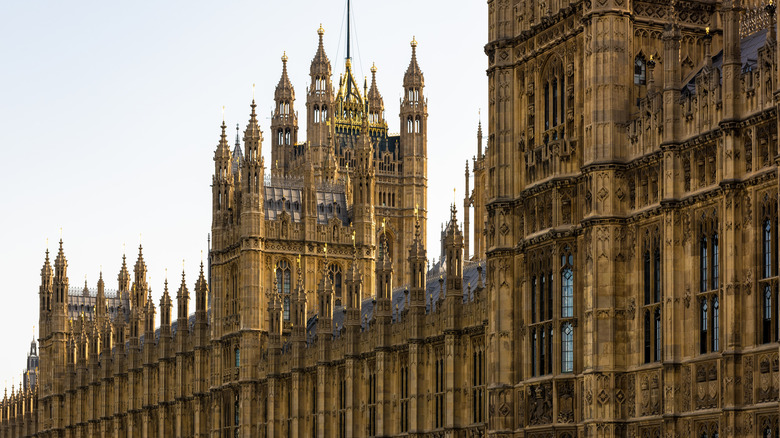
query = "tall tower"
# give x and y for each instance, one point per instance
(284, 124)
(413, 154)
(222, 189)
(319, 100)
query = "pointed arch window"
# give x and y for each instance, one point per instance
(709, 285)
(316, 114)
(651, 276)
(283, 276)
(768, 297)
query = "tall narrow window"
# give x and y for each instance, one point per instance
(715, 262)
(715, 323)
(766, 322)
(567, 292)
(283, 284)
(542, 348)
(533, 299)
(533, 352)
(657, 328)
(541, 298)
(546, 106)
(647, 277)
(703, 265)
(767, 249)
(648, 340)
(237, 354)
(550, 296)
(550, 350)
(567, 348)
(555, 102)
(657, 275)
(703, 326)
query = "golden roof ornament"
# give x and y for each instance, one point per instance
(320, 31)
(414, 41)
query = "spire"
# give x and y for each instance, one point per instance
(284, 89)
(124, 276)
(183, 297)
(320, 65)
(348, 26)
(413, 76)
(375, 102)
(237, 156)
(479, 137)
(223, 150)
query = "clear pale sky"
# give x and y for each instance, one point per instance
(110, 114)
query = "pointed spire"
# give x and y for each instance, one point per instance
(223, 149)
(413, 76)
(237, 155)
(284, 89)
(320, 64)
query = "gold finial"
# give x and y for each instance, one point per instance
(284, 57)
(454, 198)
(383, 225)
(253, 92)
(47, 243)
(651, 56)
(299, 260)
(124, 248)
(320, 31)
(373, 68)
(416, 207)
(60, 233)
(326, 248)
(223, 113)
(414, 41)
(707, 29)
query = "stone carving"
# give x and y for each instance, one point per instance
(566, 401)
(540, 404)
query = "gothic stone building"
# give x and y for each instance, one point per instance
(626, 206)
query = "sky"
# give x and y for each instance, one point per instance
(110, 115)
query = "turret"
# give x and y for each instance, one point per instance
(284, 124)
(223, 186)
(100, 303)
(319, 100)
(376, 105)
(384, 279)
(149, 339)
(165, 312)
(253, 171)
(123, 280)
(45, 292)
(453, 248)
(418, 270)
(201, 310)
(183, 312)
(325, 303)
(139, 288)
(414, 115)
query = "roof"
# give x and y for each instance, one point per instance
(432, 290)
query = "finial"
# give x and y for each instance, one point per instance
(320, 31)
(414, 42)
(284, 57)
(223, 114)
(416, 208)
(707, 29)
(373, 68)
(326, 249)
(253, 92)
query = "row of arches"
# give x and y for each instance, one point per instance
(320, 115)
(413, 125)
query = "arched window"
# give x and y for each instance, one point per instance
(546, 106)
(283, 284)
(766, 310)
(567, 348)
(316, 114)
(703, 326)
(533, 299)
(715, 264)
(417, 124)
(409, 127)
(767, 248)
(281, 137)
(324, 113)
(237, 355)
(567, 287)
(715, 323)
(647, 273)
(657, 328)
(287, 136)
(639, 70)
(703, 265)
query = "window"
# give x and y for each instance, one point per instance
(372, 403)
(651, 309)
(404, 384)
(478, 385)
(283, 277)
(567, 287)
(567, 348)
(237, 354)
(640, 70)
(316, 114)
(709, 284)
(767, 286)
(342, 404)
(439, 391)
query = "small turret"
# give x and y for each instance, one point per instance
(284, 124)
(376, 105)
(45, 292)
(140, 286)
(100, 302)
(319, 100)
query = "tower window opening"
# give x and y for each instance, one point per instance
(639, 70)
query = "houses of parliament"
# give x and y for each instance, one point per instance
(631, 148)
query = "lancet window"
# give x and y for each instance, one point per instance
(709, 284)
(283, 280)
(768, 272)
(651, 299)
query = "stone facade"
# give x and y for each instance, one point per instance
(626, 208)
